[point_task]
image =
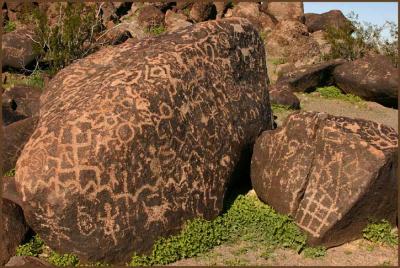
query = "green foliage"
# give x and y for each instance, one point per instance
(70, 37)
(32, 248)
(9, 26)
(354, 40)
(332, 92)
(10, 173)
(156, 30)
(246, 217)
(35, 79)
(381, 232)
(279, 108)
(313, 253)
(278, 61)
(63, 259)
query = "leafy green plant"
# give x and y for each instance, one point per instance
(314, 252)
(32, 248)
(247, 216)
(156, 30)
(63, 259)
(279, 108)
(9, 26)
(380, 232)
(10, 173)
(278, 61)
(332, 92)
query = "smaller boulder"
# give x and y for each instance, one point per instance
(373, 78)
(175, 21)
(150, 16)
(307, 78)
(202, 11)
(18, 49)
(322, 22)
(27, 261)
(16, 135)
(279, 94)
(23, 99)
(286, 10)
(15, 228)
(251, 11)
(332, 174)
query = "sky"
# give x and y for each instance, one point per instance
(373, 12)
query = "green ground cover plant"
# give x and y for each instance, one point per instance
(9, 26)
(332, 92)
(381, 232)
(314, 252)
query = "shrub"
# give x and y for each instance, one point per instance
(69, 38)
(63, 259)
(279, 108)
(247, 217)
(32, 248)
(156, 30)
(10, 173)
(354, 40)
(313, 253)
(9, 26)
(380, 232)
(332, 92)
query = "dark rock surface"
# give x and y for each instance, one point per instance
(27, 261)
(318, 22)
(135, 139)
(373, 78)
(331, 174)
(280, 94)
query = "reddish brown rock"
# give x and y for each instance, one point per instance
(307, 78)
(373, 78)
(286, 10)
(331, 174)
(15, 228)
(290, 41)
(251, 11)
(202, 11)
(279, 94)
(18, 48)
(175, 21)
(150, 16)
(27, 261)
(129, 142)
(23, 99)
(322, 22)
(15, 137)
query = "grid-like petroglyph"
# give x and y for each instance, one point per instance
(322, 170)
(135, 139)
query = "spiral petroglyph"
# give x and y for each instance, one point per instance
(135, 139)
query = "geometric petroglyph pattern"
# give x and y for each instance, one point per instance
(135, 139)
(326, 171)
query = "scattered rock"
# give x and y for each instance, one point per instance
(373, 78)
(290, 40)
(279, 94)
(324, 46)
(307, 78)
(321, 22)
(175, 21)
(331, 174)
(18, 48)
(15, 229)
(114, 34)
(202, 11)
(150, 16)
(15, 137)
(128, 145)
(23, 99)
(286, 10)
(27, 261)
(251, 11)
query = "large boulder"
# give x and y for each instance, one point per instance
(280, 94)
(175, 21)
(373, 78)
(308, 78)
(324, 21)
(135, 139)
(14, 228)
(15, 137)
(202, 11)
(18, 49)
(286, 10)
(331, 174)
(150, 16)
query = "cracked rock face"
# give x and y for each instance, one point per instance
(135, 139)
(331, 174)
